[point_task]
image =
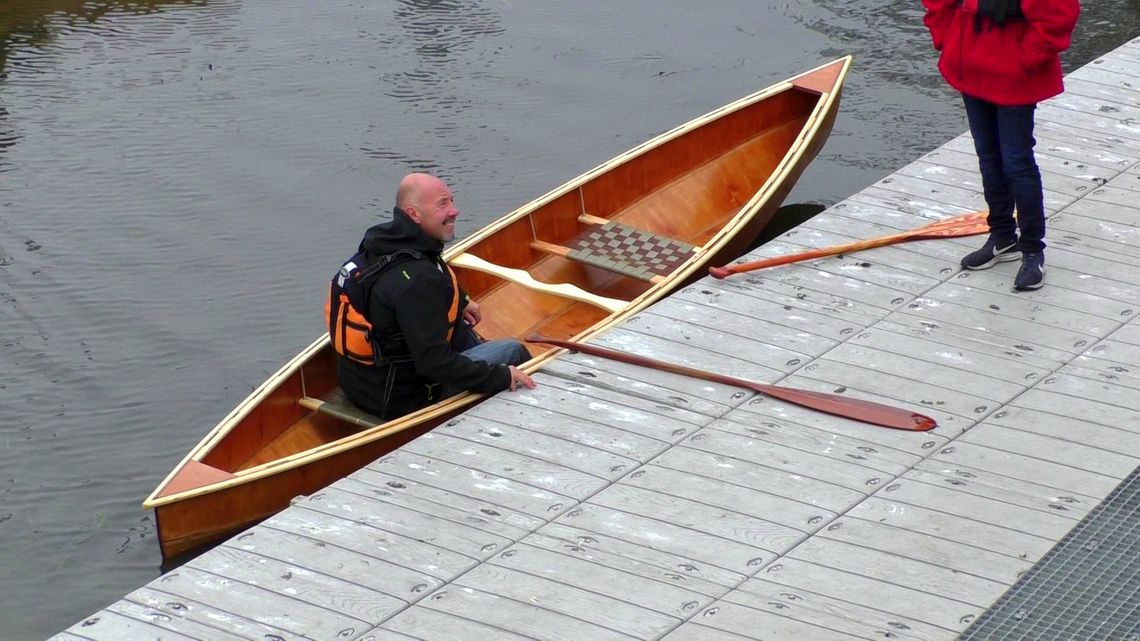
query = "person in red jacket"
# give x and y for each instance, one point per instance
(1003, 56)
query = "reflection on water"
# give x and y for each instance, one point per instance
(442, 45)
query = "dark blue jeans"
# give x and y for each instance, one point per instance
(1003, 139)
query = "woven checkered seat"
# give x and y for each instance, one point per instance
(628, 251)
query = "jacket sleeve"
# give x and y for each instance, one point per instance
(1049, 31)
(421, 304)
(939, 15)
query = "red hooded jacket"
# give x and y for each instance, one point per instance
(1014, 63)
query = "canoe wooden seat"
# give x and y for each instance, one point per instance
(626, 250)
(335, 404)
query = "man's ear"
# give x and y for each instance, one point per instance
(413, 213)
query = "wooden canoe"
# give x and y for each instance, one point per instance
(695, 196)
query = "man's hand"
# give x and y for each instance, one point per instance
(519, 377)
(472, 315)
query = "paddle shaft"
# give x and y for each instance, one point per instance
(852, 408)
(964, 225)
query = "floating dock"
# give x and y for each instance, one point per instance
(615, 502)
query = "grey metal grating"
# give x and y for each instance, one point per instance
(1086, 588)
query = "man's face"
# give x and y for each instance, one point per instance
(436, 212)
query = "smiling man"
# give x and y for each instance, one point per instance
(400, 322)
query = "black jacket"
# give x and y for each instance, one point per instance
(408, 307)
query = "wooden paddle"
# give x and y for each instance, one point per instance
(964, 225)
(853, 408)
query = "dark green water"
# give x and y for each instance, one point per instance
(178, 180)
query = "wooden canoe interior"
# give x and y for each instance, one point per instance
(683, 191)
(686, 189)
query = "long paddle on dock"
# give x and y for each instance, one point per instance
(852, 408)
(964, 225)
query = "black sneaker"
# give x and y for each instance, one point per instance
(990, 254)
(1032, 272)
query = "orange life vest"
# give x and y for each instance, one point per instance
(346, 310)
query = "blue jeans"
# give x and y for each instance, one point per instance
(504, 351)
(1003, 140)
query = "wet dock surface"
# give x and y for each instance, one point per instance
(621, 503)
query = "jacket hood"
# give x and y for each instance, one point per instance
(399, 233)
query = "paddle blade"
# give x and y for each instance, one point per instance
(854, 408)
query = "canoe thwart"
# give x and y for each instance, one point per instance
(340, 407)
(521, 277)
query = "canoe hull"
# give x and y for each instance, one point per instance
(708, 187)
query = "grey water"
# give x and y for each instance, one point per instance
(178, 180)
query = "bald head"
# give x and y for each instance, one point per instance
(429, 203)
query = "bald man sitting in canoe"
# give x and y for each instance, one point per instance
(400, 323)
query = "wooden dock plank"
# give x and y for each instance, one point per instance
(179, 624)
(983, 500)
(822, 497)
(728, 524)
(917, 575)
(411, 565)
(582, 373)
(702, 548)
(635, 558)
(674, 411)
(917, 546)
(845, 316)
(428, 624)
(469, 510)
(978, 481)
(331, 592)
(110, 625)
(830, 613)
(1085, 400)
(485, 519)
(819, 327)
(743, 620)
(943, 348)
(841, 448)
(186, 615)
(1064, 451)
(1066, 294)
(272, 548)
(1034, 470)
(526, 619)
(1001, 326)
(574, 601)
(782, 458)
(531, 471)
(905, 602)
(455, 537)
(950, 370)
(723, 494)
(226, 601)
(575, 428)
(716, 342)
(691, 356)
(536, 445)
(473, 483)
(1010, 540)
(659, 595)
